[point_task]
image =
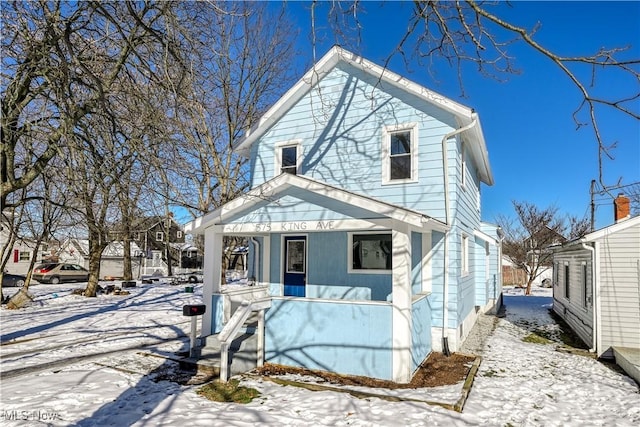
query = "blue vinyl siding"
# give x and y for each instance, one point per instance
(289, 208)
(349, 338)
(421, 331)
(330, 249)
(342, 145)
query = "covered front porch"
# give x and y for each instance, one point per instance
(349, 278)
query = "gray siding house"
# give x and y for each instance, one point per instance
(597, 286)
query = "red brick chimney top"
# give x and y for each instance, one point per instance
(621, 210)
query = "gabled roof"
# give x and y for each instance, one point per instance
(277, 186)
(613, 228)
(464, 115)
(598, 234)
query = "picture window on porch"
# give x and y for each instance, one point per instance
(399, 153)
(370, 252)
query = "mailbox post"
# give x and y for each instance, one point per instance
(193, 311)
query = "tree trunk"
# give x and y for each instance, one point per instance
(95, 254)
(527, 290)
(126, 260)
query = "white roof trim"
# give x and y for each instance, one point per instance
(483, 236)
(284, 181)
(614, 228)
(336, 54)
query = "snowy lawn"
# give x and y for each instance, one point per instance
(70, 360)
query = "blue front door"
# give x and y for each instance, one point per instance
(295, 265)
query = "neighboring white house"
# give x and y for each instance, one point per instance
(21, 253)
(597, 286)
(364, 223)
(76, 251)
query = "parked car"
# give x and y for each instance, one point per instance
(192, 277)
(12, 280)
(60, 272)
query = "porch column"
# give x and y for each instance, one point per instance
(401, 295)
(212, 273)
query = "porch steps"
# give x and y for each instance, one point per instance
(242, 353)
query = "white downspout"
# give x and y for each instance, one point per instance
(445, 167)
(594, 299)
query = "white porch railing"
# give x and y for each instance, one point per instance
(233, 326)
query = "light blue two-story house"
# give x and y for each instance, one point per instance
(364, 222)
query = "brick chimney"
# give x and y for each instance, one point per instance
(621, 209)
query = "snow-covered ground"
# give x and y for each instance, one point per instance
(70, 360)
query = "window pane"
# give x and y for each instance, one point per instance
(295, 256)
(289, 156)
(401, 167)
(400, 143)
(372, 252)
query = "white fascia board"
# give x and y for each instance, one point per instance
(322, 68)
(483, 236)
(284, 181)
(262, 192)
(481, 153)
(415, 219)
(614, 228)
(310, 78)
(407, 85)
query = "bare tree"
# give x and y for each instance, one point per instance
(463, 33)
(530, 235)
(242, 55)
(60, 62)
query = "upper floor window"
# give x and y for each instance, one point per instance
(179, 234)
(288, 156)
(400, 153)
(159, 236)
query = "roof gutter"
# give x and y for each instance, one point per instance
(445, 296)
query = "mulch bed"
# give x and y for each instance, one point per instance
(436, 370)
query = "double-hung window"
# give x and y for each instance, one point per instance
(400, 153)
(288, 155)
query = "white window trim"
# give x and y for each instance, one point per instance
(159, 236)
(464, 255)
(278, 155)
(179, 234)
(386, 152)
(350, 269)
